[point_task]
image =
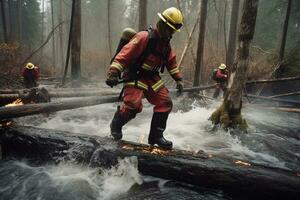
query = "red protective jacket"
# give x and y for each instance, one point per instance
(133, 50)
(31, 73)
(222, 75)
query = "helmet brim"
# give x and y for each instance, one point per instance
(168, 23)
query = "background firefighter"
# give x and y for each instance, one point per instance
(30, 74)
(147, 83)
(220, 75)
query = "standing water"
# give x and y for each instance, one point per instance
(273, 140)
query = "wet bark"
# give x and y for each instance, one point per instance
(142, 15)
(3, 16)
(76, 44)
(200, 48)
(232, 33)
(242, 179)
(229, 113)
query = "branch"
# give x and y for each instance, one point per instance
(44, 43)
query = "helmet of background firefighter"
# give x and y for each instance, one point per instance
(29, 65)
(172, 17)
(222, 66)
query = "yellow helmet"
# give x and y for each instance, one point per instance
(172, 17)
(222, 66)
(29, 65)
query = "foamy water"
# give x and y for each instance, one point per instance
(189, 130)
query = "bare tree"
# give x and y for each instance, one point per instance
(61, 46)
(229, 113)
(283, 38)
(142, 14)
(76, 43)
(108, 28)
(53, 38)
(199, 61)
(3, 21)
(232, 33)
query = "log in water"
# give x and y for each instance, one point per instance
(197, 168)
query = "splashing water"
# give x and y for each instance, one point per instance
(67, 181)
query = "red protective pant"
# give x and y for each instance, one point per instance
(132, 102)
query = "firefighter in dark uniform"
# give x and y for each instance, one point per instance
(149, 83)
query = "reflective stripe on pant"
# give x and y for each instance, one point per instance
(132, 101)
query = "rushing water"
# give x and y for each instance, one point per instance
(273, 140)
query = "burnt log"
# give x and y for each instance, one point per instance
(239, 178)
(32, 109)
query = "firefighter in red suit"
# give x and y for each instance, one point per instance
(30, 75)
(220, 76)
(149, 83)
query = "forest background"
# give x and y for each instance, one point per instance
(26, 25)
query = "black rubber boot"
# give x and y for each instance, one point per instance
(158, 126)
(118, 122)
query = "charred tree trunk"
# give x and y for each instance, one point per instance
(229, 114)
(108, 28)
(53, 39)
(199, 61)
(283, 39)
(232, 33)
(76, 44)
(61, 41)
(3, 21)
(11, 17)
(142, 15)
(237, 178)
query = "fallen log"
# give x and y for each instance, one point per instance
(236, 177)
(32, 109)
(284, 95)
(274, 99)
(274, 80)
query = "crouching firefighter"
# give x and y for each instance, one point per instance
(140, 61)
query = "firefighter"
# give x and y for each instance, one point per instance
(147, 83)
(30, 74)
(220, 76)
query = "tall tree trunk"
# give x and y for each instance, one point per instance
(3, 21)
(61, 41)
(283, 38)
(108, 28)
(232, 33)
(19, 20)
(43, 25)
(11, 17)
(142, 14)
(76, 43)
(224, 28)
(53, 38)
(199, 61)
(229, 114)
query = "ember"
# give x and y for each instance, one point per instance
(17, 102)
(242, 163)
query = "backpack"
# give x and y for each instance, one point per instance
(150, 48)
(214, 74)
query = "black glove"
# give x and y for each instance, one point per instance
(112, 79)
(179, 87)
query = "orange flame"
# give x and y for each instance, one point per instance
(242, 163)
(17, 102)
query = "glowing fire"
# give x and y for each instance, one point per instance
(242, 163)
(17, 102)
(146, 149)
